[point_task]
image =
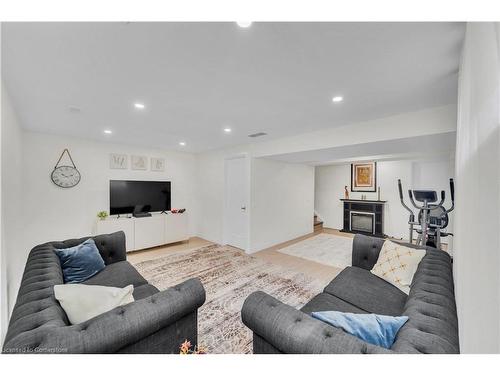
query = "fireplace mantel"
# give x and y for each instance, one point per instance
(360, 212)
(363, 200)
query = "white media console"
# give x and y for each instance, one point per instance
(145, 232)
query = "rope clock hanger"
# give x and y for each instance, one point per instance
(65, 176)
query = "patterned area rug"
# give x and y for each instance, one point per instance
(229, 276)
(324, 248)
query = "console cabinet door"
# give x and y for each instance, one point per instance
(149, 231)
(115, 225)
(176, 227)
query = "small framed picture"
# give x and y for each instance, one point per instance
(139, 163)
(157, 164)
(364, 177)
(118, 161)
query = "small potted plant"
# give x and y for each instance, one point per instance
(102, 215)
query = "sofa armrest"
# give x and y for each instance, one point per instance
(117, 328)
(292, 331)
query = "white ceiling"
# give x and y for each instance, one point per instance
(426, 146)
(197, 78)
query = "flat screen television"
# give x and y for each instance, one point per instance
(126, 197)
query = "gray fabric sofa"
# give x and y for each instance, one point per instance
(157, 322)
(432, 326)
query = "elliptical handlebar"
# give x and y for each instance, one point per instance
(443, 196)
(452, 192)
(400, 188)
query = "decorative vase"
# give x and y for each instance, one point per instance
(346, 192)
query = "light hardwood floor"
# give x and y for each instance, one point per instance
(313, 269)
(272, 255)
(156, 252)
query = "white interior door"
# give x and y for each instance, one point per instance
(236, 203)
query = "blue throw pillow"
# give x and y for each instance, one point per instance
(375, 329)
(80, 262)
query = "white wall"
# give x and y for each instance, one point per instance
(429, 121)
(13, 254)
(64, 213)
(275, 215)
(211, 164)
(477, 242)
(282, 202)
(48, 212)
(330, 181)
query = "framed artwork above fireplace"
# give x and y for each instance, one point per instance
(364, 177)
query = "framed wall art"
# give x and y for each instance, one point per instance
(118, 161)
(139, 163)
(364, 177)
(157, 164)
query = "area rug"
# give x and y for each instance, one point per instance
(323, 248)
(229, 276)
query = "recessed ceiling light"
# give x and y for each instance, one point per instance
(227, 130)
(337, 99)
(107, 131)
(182, 143)
(244, 25)
(139, 105)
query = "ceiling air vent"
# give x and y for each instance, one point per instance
(255, 135)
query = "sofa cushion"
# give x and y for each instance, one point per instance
(119, 275)
(368, 292)
(144, 291)
(327, 302)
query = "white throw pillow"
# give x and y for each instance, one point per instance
(83, 302)
(397, 264)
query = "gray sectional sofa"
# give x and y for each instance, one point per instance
(157, 322)
(432, 326)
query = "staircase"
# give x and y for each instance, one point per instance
(318, 224)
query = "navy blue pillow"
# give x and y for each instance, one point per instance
(80, 262)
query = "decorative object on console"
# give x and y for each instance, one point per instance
(177, 210)
(118, 161)
(102, 215)
(378, 197)
(139, 163)
(346, 192)
(65, 176)
(157, 164)
(364, 177)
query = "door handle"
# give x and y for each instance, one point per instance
(243, 208)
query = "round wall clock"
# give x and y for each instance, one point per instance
(65, 176)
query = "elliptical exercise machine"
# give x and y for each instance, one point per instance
(432, 218)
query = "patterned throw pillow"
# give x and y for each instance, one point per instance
(397, 264)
